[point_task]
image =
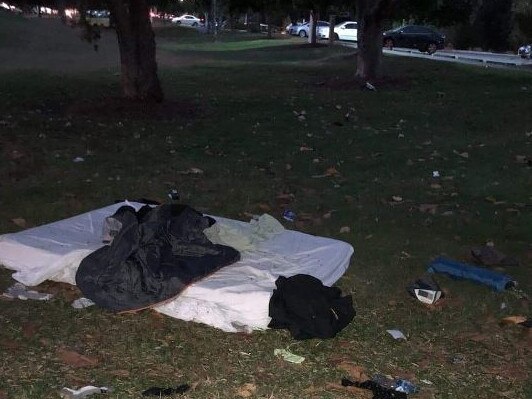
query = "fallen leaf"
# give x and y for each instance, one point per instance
(461, 154)
(332, 171)
(357, 373)
(345, 229)
(75, 359)
(513, 320)
(265, 207)
(428, 208)
(247, 390)
(20, 222)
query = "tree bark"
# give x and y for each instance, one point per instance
(136, 42)
(332, 20)
(370, 17)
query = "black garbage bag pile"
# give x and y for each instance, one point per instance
(155, 254)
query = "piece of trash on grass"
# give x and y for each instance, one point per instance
(397, 198)
(396, 334)
(426, 290)
(173, 194)
(379, 391)
(158, 392)
(426, 382)
(20, 291)
(369, 86)
(67, 393)
(397, 384)
(345, 229)
(498, 281)
(289, 215)
(78, 159)
(82, 303)
(288, 356)
(435, 174)
(305, 148)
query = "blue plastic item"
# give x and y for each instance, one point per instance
(498, 281)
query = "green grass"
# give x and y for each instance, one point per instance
(243, 134)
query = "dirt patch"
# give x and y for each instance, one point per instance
(121, 108)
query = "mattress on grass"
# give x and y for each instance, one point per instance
(235, 298)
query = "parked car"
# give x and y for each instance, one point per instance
(525, 51)
(100, 18)
(188, 20)
(347, 30)
(302, 30)
(414, 36)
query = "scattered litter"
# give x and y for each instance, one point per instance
(369, 86)
(288, 356)
(396, 198)
(379, 392)
(289, 215)
(67, 393)
(78, 159)
(426, 382)
(396, 334)
(487, 255)
(399, 385)
(82, 303)
(435, 174)
(156, 391)
(20, 291)
(345, 229)
(305, 148)
(173, 194)
(498, 281)
(503, 306)
(426, 290)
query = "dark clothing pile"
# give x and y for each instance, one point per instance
(308, 309)
(154, 255)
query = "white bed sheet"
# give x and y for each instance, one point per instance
(235, 298)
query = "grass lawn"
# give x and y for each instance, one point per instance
(240, 125)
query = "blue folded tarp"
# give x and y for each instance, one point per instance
(498, 281)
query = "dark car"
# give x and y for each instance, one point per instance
(414, 36)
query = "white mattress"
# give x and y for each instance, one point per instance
(233, 299)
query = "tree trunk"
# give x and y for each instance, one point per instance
(370, 17)
(312, 28)
(332, 20)
(136, 42)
